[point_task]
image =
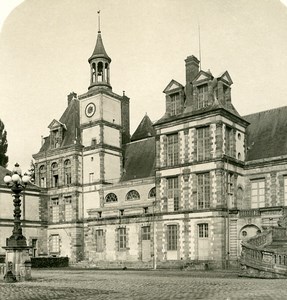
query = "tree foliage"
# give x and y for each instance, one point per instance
(3, 145)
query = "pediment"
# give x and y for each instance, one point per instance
(226, 77)
(173, 86)
(202, 76)
(55, 125)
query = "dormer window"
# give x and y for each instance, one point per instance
(175, 107)
(202, 96)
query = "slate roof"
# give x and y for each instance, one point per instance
(267, 134)
(71, 120)
(144, 130)
(99, 50)
(189, 112)
(139, 159)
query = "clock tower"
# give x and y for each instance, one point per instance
(104, 123)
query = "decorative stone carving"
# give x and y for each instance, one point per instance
(283, 221)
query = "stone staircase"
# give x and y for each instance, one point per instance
(265, 255)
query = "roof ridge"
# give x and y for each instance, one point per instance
(264, 111)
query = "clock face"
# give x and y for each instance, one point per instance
(90, 109)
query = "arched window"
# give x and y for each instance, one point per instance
(152, 193)
(43, 176)
(111, 197)
(54, 175)
(67, 171)
(133, 195)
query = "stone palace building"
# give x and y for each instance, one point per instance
(184, 190)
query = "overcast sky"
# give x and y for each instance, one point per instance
(45, 45)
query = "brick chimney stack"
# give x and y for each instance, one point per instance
(71, 96)
(191, 71)
(191, 68)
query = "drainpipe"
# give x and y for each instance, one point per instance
(154, 237)
(227, 218)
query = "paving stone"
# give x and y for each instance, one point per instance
(141, 285)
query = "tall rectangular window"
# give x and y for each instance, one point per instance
(99, 240)
(55, 210)
(203, 143)
(228, 141)
(55, 244)
(68, 209)
(230, 189)
(203, 230)
(171, 237)
(202, 96)
(258, 193)
(203, 190)
(173, 192)
(175, 104)
(172, 149)
(122, 238)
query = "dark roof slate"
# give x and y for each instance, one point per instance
(71, 120)
(267, 134)
(190, 112)
(144, 130)
(99, 50)
(139, 159)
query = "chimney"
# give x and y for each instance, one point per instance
(191, 68)
(71, 96)
(191, 71)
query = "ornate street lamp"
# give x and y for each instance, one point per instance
(17, 251)
(17, 183)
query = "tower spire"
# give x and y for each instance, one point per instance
(99, 21)
(100, 63)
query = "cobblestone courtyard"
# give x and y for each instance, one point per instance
(126, 284)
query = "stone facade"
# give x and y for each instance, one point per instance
(186, 192)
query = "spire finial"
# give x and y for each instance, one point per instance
(99, 21)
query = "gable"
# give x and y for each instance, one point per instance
(173, 86)
(55, 125)
(202, 76)
(226, 77)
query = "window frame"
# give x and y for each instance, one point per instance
(55, 244)
(132, 195)
(175, 104)
(43, 176)
(202, 100)
(203, 143)
(173, 191)
(68, 171)
(204, 190)
(111, 196)
(172, 237)
(54, 175)
(257, 192)
(55, 210)
(172, 149)
(68, 209)
(122, 239)
(100, 242)
(203, 230)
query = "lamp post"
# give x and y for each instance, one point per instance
(18, 262)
